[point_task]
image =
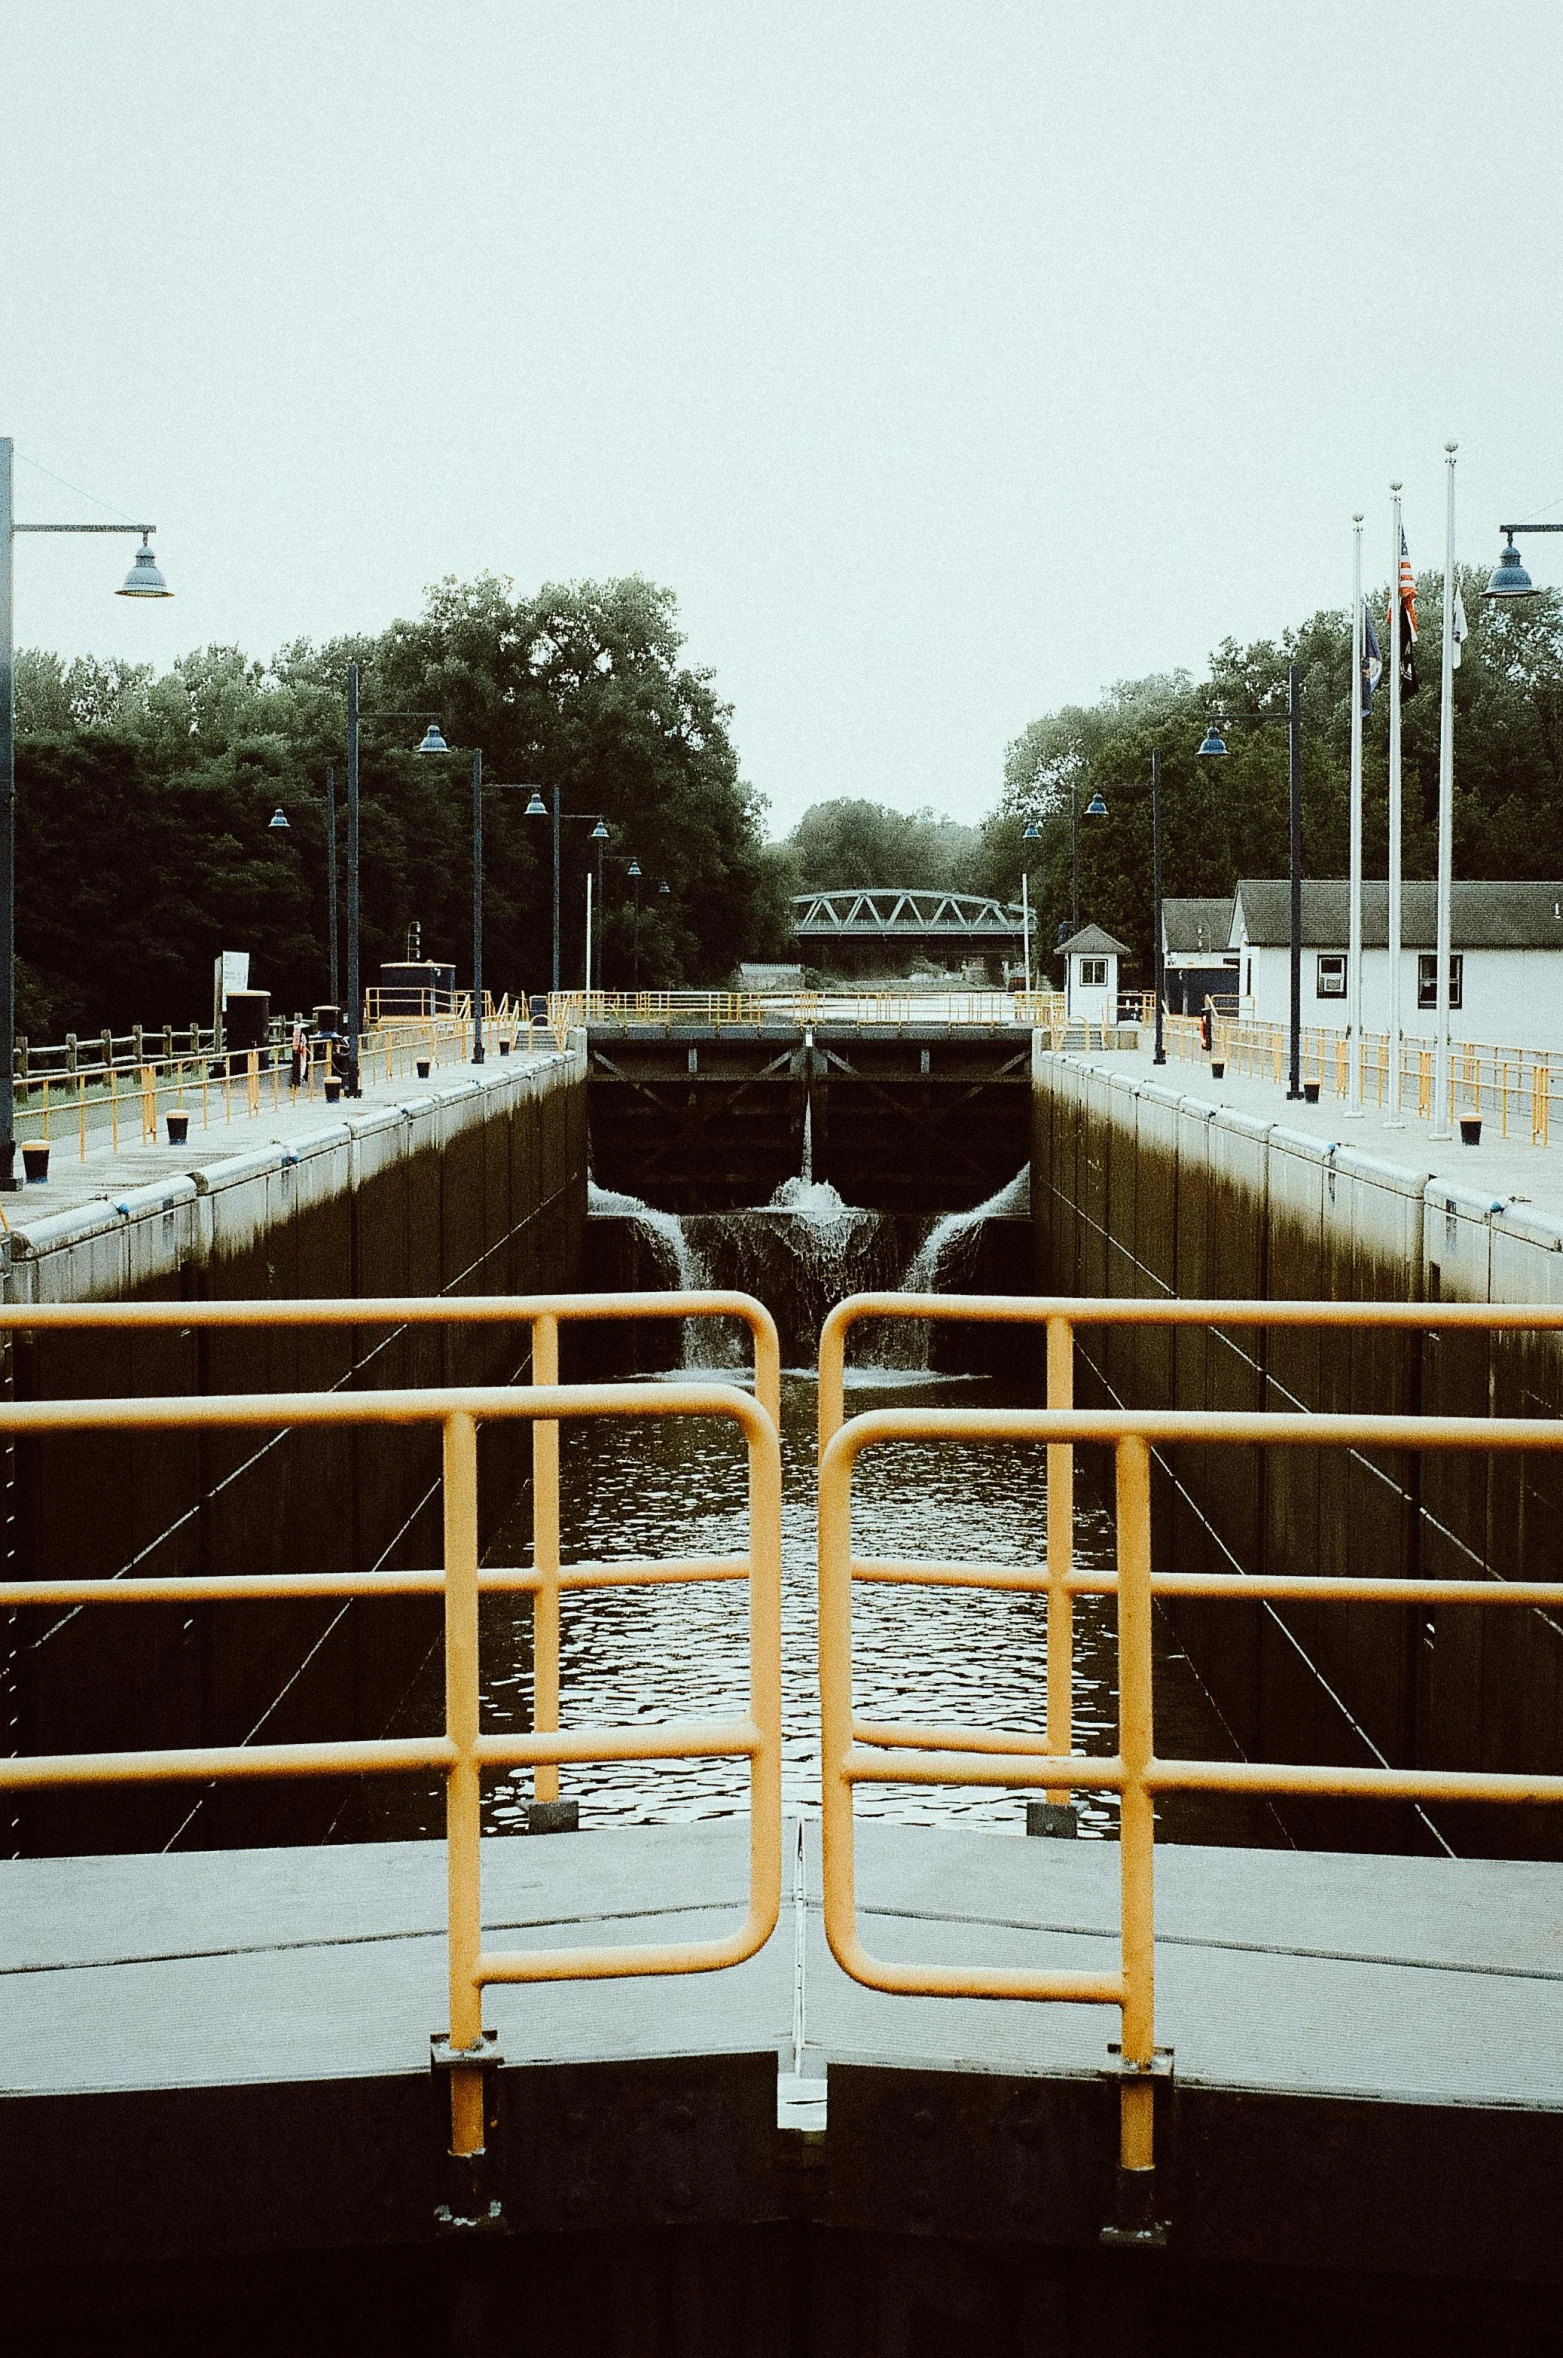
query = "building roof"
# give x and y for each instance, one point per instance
(1483, 916)
(1092, 942)
(1195, 926)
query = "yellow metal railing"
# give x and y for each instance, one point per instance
(543, 1314)
(1503, 1085)
(857, 1752)
(462, 1752)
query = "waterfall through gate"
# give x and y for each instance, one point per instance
(804, 1251)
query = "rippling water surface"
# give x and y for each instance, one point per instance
(677, 1487)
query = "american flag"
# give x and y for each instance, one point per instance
(1407, 621)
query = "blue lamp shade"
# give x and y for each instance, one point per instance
(433, 742)
(1032, 832)
(277, 824)
(634, 868)
(144, 580)
(664, 891)
(1214, 741)
(600, 832)
(1064, 931)
(1095, 808)
(1509, 578)
(536, 808)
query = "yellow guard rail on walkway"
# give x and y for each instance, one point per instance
(547, 1578)
(1062, 1316)
(462, 1753)
(856, 1751)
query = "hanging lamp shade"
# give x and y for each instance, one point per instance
(1509, 578)
(634, 868)
(1031, 833)
(1095, 808)
(664, 891)
(144, 580)
(433, 742)
(1214, 741)
(278, 823)
(600, 832)
(536, 808)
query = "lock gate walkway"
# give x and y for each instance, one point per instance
(223, 2052)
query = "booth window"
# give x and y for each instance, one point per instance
(1093, 974)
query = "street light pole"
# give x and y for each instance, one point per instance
(331, 913)
(1294, 752)
(143, 581)
(477, 905)
(1160, 1056)
(354, 1000)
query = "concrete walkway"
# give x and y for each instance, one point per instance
(134, 1181)
(1438, 1981)
(1501, 1170)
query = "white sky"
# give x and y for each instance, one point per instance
(950, 361)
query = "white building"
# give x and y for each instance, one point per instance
(1506, 968)
(1196, 957)
(1091, 975)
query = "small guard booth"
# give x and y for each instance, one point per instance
(1091, 975)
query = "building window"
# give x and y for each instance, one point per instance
(1248, 987)
(1332, 975)
(1093, 974)
(1427, 978)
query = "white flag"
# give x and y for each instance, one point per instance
(1461, 632)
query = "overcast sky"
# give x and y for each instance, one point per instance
(948, 361)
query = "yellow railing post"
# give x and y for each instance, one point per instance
(1060, 1548)
(545, 1560)
(463, 1783)
(1137, 1826)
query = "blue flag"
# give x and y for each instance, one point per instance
(1372, 662)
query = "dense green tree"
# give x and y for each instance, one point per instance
(143, 844)
(1226, 819)
(853, 842)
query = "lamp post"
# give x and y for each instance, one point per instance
(538, 809)
(1032, 834)
(352, 1008)
(142, 581)
(279, 824)
(434, 742)
(631, 866)
(1215, 745)
(1158, 958)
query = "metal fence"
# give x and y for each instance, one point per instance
(856, 1751)
(1518, 1089)
(461, 1752)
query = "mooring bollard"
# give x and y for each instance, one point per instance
(178, 1129)
(35, 1165)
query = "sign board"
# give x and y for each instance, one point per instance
(234, 972)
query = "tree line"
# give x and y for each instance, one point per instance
(144, 843)
(1223, 819)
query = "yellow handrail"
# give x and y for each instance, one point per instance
(856, 1752)
(462, 1753)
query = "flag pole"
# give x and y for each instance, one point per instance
(1354, 919)
(1392, 1117)
(1445, 815)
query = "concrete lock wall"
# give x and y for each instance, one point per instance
(476, 1187)
(1141, 1190)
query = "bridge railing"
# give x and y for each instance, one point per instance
(857, 1751)
(460, 1752)
(870, 1008)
